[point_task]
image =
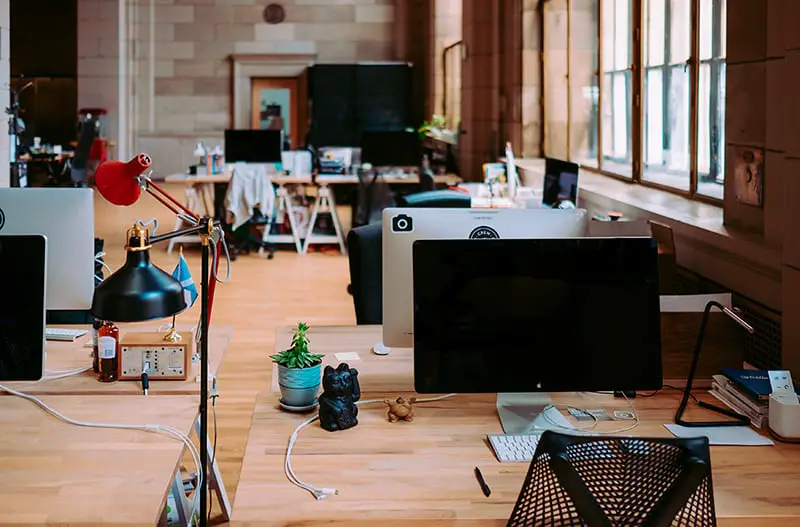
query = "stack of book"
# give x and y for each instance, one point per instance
(744, 391)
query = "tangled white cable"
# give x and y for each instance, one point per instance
(169, 430)
(322, 493)
(595, 421)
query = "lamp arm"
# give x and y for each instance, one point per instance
(202, 228)
(159, 193)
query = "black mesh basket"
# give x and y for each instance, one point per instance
(617, 481)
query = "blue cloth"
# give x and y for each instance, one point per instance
(182, 275)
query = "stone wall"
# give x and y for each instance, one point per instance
(5, 70)
(179, 51)
(531, 98)
(446, 30)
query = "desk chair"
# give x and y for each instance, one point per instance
(603, 481)
(365, 254)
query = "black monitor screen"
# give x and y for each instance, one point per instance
(22, 312)
(560, 183)
(391, 149)
(253, 146)
(551, 315)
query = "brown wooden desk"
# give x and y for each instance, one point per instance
(54, 473)
(73, 355)
(420, 473)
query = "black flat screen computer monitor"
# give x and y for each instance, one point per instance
(391, 149)
(560, 183)
(23, 267)
(253, 146)
(536, 315)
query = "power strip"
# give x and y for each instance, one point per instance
(166, 360)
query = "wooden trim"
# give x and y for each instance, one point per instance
(637, 84)
(600, 78)
(569, 79)
(694, 87)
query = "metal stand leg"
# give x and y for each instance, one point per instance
(215, 482)
(325, 202)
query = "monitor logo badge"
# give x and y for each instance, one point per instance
(484, 232)
(2, 219)
(402, 223)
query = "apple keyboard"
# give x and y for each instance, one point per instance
(64, 334)
(514, 448)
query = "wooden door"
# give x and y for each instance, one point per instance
(275, 105)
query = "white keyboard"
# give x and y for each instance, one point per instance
(64, 334)
(514, 448)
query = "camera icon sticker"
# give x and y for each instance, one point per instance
(402, 223)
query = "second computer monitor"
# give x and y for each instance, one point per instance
(560, 188)
(403, 226)
(253, 146)
(66, 217)
(391, 149)
(546, 315)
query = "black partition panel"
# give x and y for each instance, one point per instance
(348, 99)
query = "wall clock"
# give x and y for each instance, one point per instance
(274, 14)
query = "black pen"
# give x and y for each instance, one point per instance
(484, 487)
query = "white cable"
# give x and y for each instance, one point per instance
(63, 374)
(169, 430)
(152, 221)
(98, 258)
(604, 432)
(322, 493)
(214, 256)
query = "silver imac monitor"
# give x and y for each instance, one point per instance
(66, 217)
(403, 226)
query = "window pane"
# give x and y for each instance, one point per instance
(621, 35)
(607, 34)
(706, 29)
(680, 31)
(711, 103)
(654, 121)
(583, 87)
(654, 32)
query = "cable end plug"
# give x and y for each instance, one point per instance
(321, 494)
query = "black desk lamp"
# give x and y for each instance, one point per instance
(139, 291)
(738, 419)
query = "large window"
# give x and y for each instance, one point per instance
(646, 88)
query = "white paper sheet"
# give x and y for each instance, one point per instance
(347, 355)
(722, 435)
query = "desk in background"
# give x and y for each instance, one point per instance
(421, 472)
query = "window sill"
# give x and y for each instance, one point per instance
(704, 244)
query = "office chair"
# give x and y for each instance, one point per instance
(364, 251)
(79, 165)
(617, 481)
(442, 199)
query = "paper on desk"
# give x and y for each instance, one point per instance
(346, 355)
(722, 435)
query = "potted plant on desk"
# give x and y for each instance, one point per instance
(299, 372)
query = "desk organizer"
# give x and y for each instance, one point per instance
(784, 419)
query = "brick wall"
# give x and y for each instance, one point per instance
(5, 69)
(182, 95)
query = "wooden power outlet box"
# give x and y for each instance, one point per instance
(168, 360)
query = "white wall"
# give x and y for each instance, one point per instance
(5, 70)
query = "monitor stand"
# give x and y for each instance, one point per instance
(523, 413)
(379, 349)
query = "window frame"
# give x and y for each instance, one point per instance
(638, 71)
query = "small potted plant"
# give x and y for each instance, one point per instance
(299, 372)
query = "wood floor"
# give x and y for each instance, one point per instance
(261, 295)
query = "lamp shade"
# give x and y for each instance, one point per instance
(137, 292)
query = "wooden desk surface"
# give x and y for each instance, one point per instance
(328, 179)
(53, 473)
(189, 179)
(421, 472)
(73, 355)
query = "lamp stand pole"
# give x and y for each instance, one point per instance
(204, 382)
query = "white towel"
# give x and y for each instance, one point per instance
(250, 186)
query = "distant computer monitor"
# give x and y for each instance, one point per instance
(23, 268)
(546, 315)
(560, 184)
(253, 146)
(403, 226)
(66, 217)
(391, 149)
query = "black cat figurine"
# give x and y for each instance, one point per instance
(337, 404)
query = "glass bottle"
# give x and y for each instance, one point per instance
(96, 325)
(108, 352)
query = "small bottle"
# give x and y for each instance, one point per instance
(96, 325)
(108, 352)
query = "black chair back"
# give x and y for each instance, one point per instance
(365, 255)
(604, 481)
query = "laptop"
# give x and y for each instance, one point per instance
(23, 266)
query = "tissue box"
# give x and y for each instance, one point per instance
(784, 419)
